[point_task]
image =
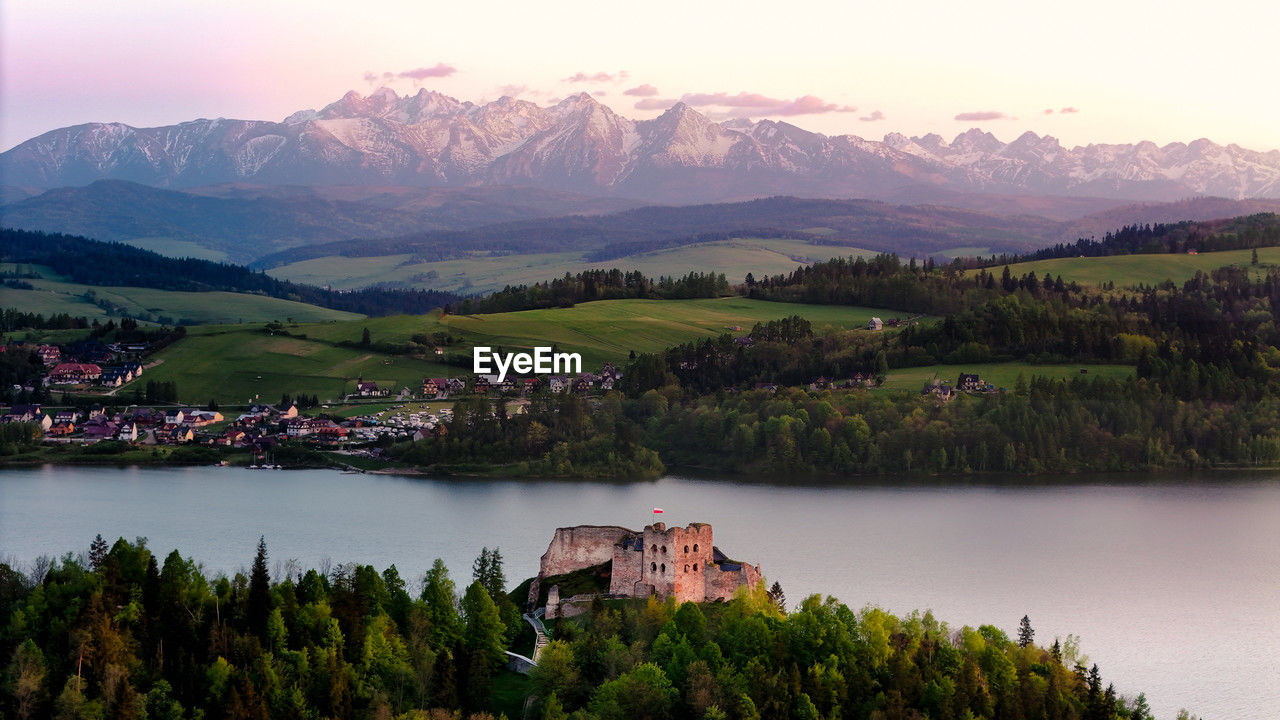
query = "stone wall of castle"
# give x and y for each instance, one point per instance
(669, 562)
(575, 548)
(627, 565)
(722, 584)
(675, 560)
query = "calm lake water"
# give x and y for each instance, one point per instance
(1173, 588)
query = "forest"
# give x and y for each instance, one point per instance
(598, 285)
(90, 262)
(1241, 233)
(119, 632)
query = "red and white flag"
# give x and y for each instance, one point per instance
(657, 511)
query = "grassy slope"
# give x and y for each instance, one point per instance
(1003, 375)
(1130, 270)
(224, 362)
(734, 258)
(53, 295)
(601, 331)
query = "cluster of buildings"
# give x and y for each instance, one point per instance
(149, 426)
(582, 383)
(965, 383)
(90, 362)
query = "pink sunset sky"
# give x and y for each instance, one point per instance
(1085, 72)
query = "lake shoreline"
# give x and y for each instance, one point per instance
(508, 472)
(1103, 556)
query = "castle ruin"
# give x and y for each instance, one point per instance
(682, 563)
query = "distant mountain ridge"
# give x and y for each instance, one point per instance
(580, 145)
(245, 222)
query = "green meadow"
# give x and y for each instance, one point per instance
(1002, 375)
(53, 295)
(1133, 270)
(601, 331)
(242, 363)
(485, 273)
(234, 363)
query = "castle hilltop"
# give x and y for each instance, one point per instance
(682, 563)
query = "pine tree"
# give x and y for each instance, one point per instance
(259, 609)
(442, 606)
(1025, 634)
(97, 552)
(779, 598)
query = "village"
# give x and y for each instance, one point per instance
(102, 400)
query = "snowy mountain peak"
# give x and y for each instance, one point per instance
(428, 138)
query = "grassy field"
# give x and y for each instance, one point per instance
(1002, 375)
(602, 331)
(235, 363)
(238, 364)
(1132, 270)
(53, 295)
(734, 258)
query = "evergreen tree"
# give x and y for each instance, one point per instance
(1025, 634)
(484, 637)
(779, 598)
(442, 606)
(259, 601)
(97, 552)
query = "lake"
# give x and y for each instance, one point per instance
(1173, 587)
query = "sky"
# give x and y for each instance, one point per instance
(1091, 71)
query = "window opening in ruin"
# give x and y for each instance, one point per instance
(653, 567)
(695, 547)
(695, 567)
(664, 567)
(686, 548)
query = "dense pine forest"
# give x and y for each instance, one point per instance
(118, 632)
(599, 285)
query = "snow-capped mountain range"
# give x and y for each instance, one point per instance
(430, 139)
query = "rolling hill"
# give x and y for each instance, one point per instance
(241, 223)
(234, 363)
(1146, 269)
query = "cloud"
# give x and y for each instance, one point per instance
(1068, 110)
(1048, 111)
(581, 77)
(513, 90)
(655, 103)
(417, 75)
(981, 115)
(745, 104)
(873, 117)
(439, 70)
(645, 90)
(721, 99)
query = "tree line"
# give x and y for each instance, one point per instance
(591, 285)
(120, 632)
(90, 262)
